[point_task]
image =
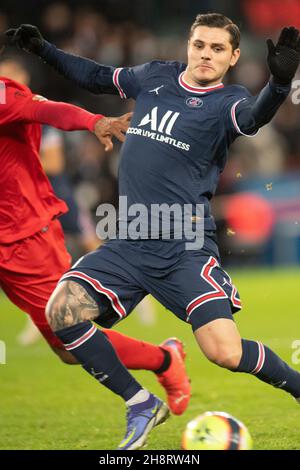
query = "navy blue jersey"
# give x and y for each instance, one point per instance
(177, 144)
(174, 152)
(178, 141)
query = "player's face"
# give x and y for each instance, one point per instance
(210, 55)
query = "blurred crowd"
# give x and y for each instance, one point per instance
(121, 33)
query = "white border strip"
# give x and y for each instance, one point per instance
(201, 90)
(233, 117)
(78, 342)
(117, 83)
(260, 360)
(210, 280)
(99, 288)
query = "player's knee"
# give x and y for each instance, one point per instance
(226, 357)
(69, 305)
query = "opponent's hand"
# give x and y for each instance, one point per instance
(283, 59)
(108, 127)
(26, 37)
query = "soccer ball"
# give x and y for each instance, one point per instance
(215, 430)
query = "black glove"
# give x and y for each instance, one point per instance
(283, 59)
(26, 37)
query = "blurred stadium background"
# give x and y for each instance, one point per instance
(257, 206)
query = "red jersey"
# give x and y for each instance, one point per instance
(27, 200)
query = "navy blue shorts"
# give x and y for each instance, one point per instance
(191, 284)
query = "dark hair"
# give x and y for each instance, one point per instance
(217, 20)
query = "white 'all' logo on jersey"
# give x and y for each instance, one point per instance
(165, 125)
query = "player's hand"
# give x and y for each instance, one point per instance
(26, 37)
(108, 127)
(283, 59)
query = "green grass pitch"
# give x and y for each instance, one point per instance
(48, 405)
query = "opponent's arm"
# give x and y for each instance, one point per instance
(86, 73)
(283, 60)
(69, 118)
(63, 116)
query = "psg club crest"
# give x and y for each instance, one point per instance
(194, 102)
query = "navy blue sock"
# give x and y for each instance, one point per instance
(96, 354)
(259, 360)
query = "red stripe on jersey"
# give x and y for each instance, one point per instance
(235, 300)
(117, 83)
(78, 342)
(198, 89)
(260, 360)
(218, 292)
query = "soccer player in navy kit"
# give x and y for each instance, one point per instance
(183, 123)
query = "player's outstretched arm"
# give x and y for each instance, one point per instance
(84, 72)
(69, 118)
(283, 61)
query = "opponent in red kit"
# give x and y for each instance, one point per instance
(33, 255)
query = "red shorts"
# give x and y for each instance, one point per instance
(29, 271)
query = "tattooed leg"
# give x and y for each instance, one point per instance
(69, 305)
(70, 312)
